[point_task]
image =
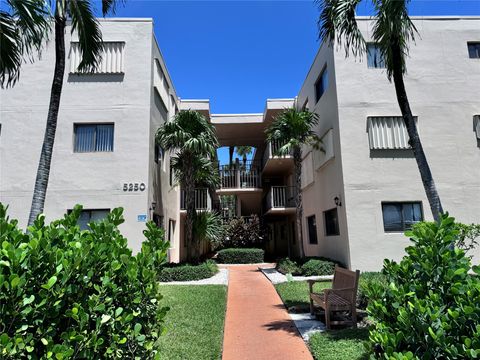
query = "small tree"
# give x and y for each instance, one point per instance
(244, 151)
(294, 129)
(430, 309)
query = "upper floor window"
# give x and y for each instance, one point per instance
(322, 84)
(112, 61)
(476, 127)
(400, 216)
(159, 154)
(312, 230)
(375, 58)
(93, 137)
(331, 222)
(474, 50)
(387, 133)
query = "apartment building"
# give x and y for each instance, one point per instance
(359, 194)
(104, 154)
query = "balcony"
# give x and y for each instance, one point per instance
(275, 164)
(280, 200)
(203, 202)
(239, 177)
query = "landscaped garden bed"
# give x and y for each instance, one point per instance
(307, 267)
(195, 321)
(187, 272)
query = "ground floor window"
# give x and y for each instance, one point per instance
(88, 216)
(312, 229)
(331, 222)
(171, 230)
(400, 216)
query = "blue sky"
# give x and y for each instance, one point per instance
(239, 53)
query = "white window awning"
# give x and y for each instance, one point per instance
(387, 133)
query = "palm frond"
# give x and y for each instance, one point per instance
(393, 29)
(89, 34)
(337, 23)
(110, 6)
(23, 31)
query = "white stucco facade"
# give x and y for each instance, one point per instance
(443, 85)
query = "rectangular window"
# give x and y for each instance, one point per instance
(387, 133)
(375, 58)
(159, 155)
(474, 50)
(476, 125)
(400, 216)
(112, 61)
(331, 222)
(322, 84)
(171, 231)
(171, 174)
(88, 216)
(93, 138)
(312, 230)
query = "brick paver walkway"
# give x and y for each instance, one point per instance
(257, 326)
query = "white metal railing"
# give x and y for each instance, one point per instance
(272, 149)
(240, 175)
(202, 199)
(280, 197)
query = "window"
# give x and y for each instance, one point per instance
(375, 58)
(322, 84)
(112, 58)
(387, 132)
(331, 222)
(159, 154)
(400, 216)
(93, 137)
(474, 50)
(171, 230)
(171, 175)
(88, 216)
(476, 125)
(312, 230)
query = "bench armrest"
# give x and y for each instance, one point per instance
(312, 282)
(345, 293)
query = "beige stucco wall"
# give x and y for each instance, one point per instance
(318, 195)
(443, 85)
(94, 180)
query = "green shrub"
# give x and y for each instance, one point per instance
(431, 308)
(209, 226)
(67, 293)
(370, 287)
(244, 233)
(240, 256)
(318, 267)
(287, 266)
(188, 272)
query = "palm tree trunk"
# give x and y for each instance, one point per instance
(189, 186)
(297, 161)
(230, 154)
(43, 171)
(415, 143)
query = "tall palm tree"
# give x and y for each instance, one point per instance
(24, 27)
(294, 128)
(191, 138)
(244, 151)
(83, 21)
(393, 30)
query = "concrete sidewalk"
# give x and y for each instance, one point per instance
(257, 325)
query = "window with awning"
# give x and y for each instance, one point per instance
(387, 133)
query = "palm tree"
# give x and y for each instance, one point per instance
(83, 21)
(244, 151)
(393, 30)
(24, 27)
(192, 138)
(294, 128)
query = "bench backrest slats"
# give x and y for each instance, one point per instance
(344, 278)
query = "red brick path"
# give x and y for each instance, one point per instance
(257, 326)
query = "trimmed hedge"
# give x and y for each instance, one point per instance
(240, 256)
(188, 272)
(311, 267)
(70, 293)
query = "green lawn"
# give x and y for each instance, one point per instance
(295, 293)
(343, 344)
(194, 323)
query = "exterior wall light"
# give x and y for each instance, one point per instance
(337, 200)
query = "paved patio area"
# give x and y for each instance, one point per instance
(257, 325)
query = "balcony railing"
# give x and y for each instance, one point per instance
(280, 197)
(202, 200)
(271, 150)
(240, 175)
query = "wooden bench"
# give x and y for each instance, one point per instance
(341, 297)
